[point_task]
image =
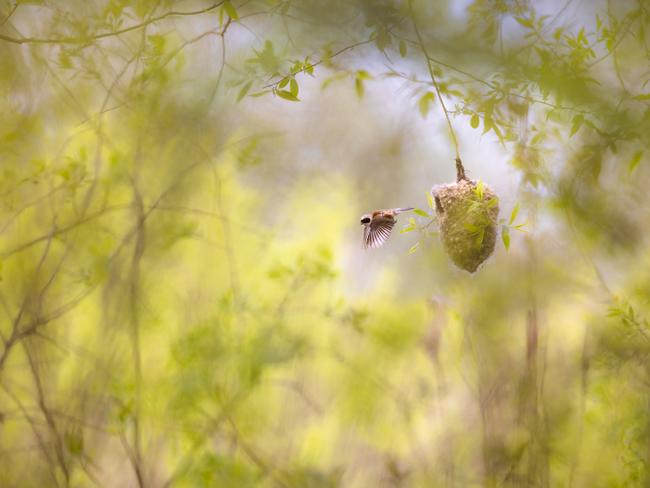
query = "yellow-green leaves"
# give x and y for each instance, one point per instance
(244, 90)
(358, 87)
(424, 103)
(430, 201)
(411, 227)
(287, 87)
(382, 37)
(528, 23)
(474, 121)
(287, 95)
(293, 87)
(505, 236)
(634, 162)
(359, 78)
(576, 123)
(292, 93)
(506, 227)
(513, 214)
(402, 48)
(308, 67)
(229, 8)
(266, 59)
(479, 190)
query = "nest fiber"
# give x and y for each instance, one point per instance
(467, 216)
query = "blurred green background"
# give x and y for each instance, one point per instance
(185, 298)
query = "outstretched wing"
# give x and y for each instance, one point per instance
(378, 231)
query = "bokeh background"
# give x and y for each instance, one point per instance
(184, 294)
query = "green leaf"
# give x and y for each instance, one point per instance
(284, 82)
(358, 86)
(525, 22)
(424, 102)
(308, 67)
(287, 95)
(402, 48)
(430, 201)
(537, 138)
(382, 39)
(157, 42)
(475, 121)
(414, 247)
(407, 229)
(634, 162)
(364, 75)
(297, 67)
(505, 236)
(487, 123)
(412, 222)
(576, 123)
(244, 90)
(421, 213)
(74, 442)
(471, 227)
(293, 87)
(423, 105)
(230, 10)
(260, 93)
(499, 135)
(479, 190)
(513, 214)
(643, 96)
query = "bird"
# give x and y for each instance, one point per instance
(378, 225)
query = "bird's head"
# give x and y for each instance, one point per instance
(365, 219)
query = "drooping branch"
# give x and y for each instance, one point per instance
(459, 164)
(460, 171)
(103, 35)
(322, 60)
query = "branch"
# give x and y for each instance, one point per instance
(60, 230)
(528, 98)
(85, 40)
(475, 78)
(322, 60)
(459, 164)
(39, 439)
(11, 12)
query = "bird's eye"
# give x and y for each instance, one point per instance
(365, 220)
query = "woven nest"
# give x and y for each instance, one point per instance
(467, 216)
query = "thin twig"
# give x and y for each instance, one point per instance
(489, 84)
(11, 12)
(322, 60)
(86, 40)
(459, 165)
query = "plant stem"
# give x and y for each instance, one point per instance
(460, 170)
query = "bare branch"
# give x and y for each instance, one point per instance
(104, 35)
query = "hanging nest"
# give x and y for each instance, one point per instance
(467, 217)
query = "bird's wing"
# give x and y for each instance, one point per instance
(378, 231)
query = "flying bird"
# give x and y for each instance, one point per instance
(378, 225)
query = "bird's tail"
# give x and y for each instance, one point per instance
(402, 210)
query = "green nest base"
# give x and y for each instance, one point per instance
(467, 216)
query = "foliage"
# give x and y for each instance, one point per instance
(186, 302)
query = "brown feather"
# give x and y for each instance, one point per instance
(379, 229)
